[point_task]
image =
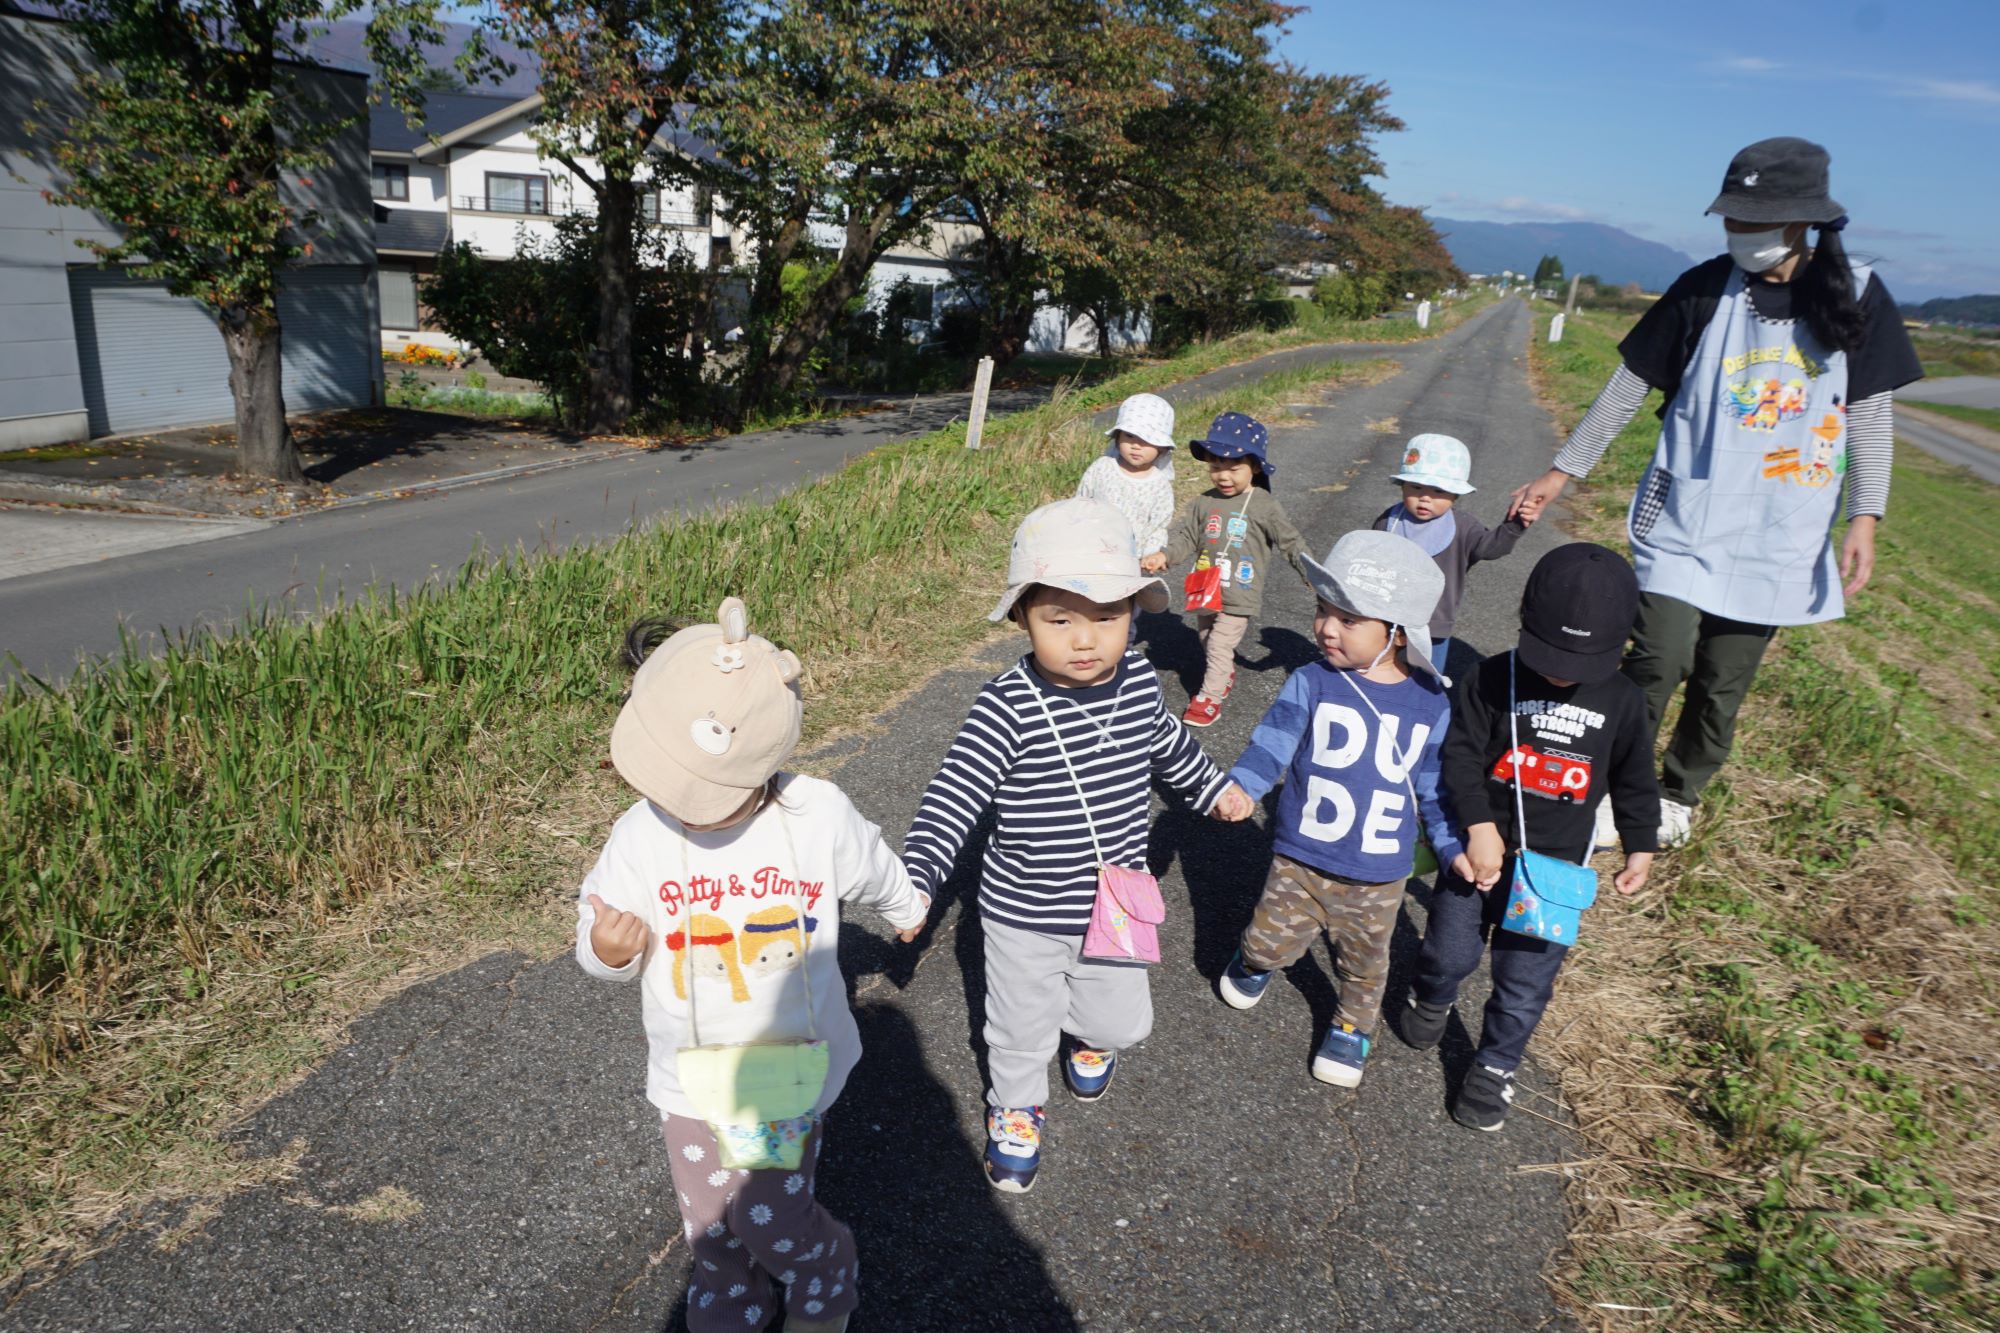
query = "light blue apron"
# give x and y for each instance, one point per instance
(1734, 514)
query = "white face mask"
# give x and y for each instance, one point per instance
(1756, 251)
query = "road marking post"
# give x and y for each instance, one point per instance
(1423, 314)
(975, 427)
(1556, 329)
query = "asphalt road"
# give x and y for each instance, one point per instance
(48, 620)
(1948, 439)
(1217, 1187)
(1965, 390)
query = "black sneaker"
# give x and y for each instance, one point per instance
(1483, 1101)
(1423, 1024)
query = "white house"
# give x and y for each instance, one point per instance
(472, 172)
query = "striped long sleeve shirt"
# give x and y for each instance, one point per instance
(1040, 870)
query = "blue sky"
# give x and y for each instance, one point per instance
(1628, 113)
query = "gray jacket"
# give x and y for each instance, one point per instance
(1471, 543)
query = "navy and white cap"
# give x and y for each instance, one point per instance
(1577, 612)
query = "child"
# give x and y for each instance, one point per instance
(1356, 739)
(1136, 474)
(721, 892)
(1234, 525)
(1063, 745)
(1437, 469)
(1582, 730)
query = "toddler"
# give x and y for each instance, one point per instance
(720, 891)
(1063, 746)
(1136, 474)
(1437, 469)
(1582, 731)
(1355, 738)
(1233, 525)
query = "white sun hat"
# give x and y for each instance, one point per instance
(1080, 546)
(1149, 417)
(1440, 461)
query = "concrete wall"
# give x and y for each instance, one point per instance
(41, 388)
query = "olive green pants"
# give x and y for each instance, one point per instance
(1674, 643)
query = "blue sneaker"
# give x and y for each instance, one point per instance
(1089, 1072)
(1240, 986)
(1013, 1147)
(1340, 1056)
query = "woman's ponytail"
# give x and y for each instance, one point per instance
(1823, 295)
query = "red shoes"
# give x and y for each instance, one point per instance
(1202, 711)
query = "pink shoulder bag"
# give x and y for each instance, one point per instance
(1125, 916)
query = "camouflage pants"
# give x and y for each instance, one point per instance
(1358, 919)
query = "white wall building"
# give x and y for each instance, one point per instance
(472, 172)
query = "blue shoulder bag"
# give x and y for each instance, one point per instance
(1549, 895)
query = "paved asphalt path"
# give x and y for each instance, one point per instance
(1965, 390)
(1217, 1187)
(1949, 439)
(47, 620)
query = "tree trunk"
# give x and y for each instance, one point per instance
(1101, 317)
(608, 394)
(767, 290)
(780, 370)
(256, 381)
(1012, 327)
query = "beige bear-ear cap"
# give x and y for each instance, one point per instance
(789, 669)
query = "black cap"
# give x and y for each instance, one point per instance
(1577, 612)
(1777, 180)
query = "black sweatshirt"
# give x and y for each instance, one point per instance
(1577, 743)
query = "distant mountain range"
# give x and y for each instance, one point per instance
(1616, 256)
(1957, 310)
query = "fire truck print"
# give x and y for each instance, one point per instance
(1555, 774)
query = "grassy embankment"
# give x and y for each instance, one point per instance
(1784, 1057)
(211, 861)
(1978, 416)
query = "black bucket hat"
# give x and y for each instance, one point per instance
(1778, 180)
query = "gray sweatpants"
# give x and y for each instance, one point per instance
(1039, 987)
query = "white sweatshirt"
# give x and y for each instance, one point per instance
(753, 900)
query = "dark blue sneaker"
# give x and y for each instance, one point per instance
(1013, 1147)
(1089, 1072)
(1340, 1056)
(1241, 987)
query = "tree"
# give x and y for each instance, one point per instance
(615, 74)
(194, 133)
(1549, 271)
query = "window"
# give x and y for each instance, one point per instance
(720, 253)
(399, 298)
(392, 181)
(649, 207)
(516, 194)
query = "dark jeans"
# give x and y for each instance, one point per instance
(1717, 658)
(1462, 921)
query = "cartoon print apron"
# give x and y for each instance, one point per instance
(1733, 516)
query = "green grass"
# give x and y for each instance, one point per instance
(1957, 352)
(1988, 417)
(210, 858)
(1787, 1049)
(482, 403)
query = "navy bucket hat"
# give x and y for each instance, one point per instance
(1237, 435)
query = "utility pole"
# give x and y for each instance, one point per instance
(1569, 306)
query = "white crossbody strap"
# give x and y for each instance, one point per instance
(1096, 847)
(1514, 738)
(1404, 760)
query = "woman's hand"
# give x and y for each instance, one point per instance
(1857, 554)
(1529, 501)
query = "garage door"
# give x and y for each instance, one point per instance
(150, 360)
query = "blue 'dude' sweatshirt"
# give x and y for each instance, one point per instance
(1346, 808)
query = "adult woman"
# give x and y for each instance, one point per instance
(1779, 362)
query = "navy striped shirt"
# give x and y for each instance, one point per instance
(1040, 871)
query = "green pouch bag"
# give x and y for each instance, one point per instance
(758, 1099)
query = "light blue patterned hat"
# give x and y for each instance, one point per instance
(1437, 460)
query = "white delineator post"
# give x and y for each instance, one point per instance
(975, 425)
(1556, 329)
(1423, 314)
